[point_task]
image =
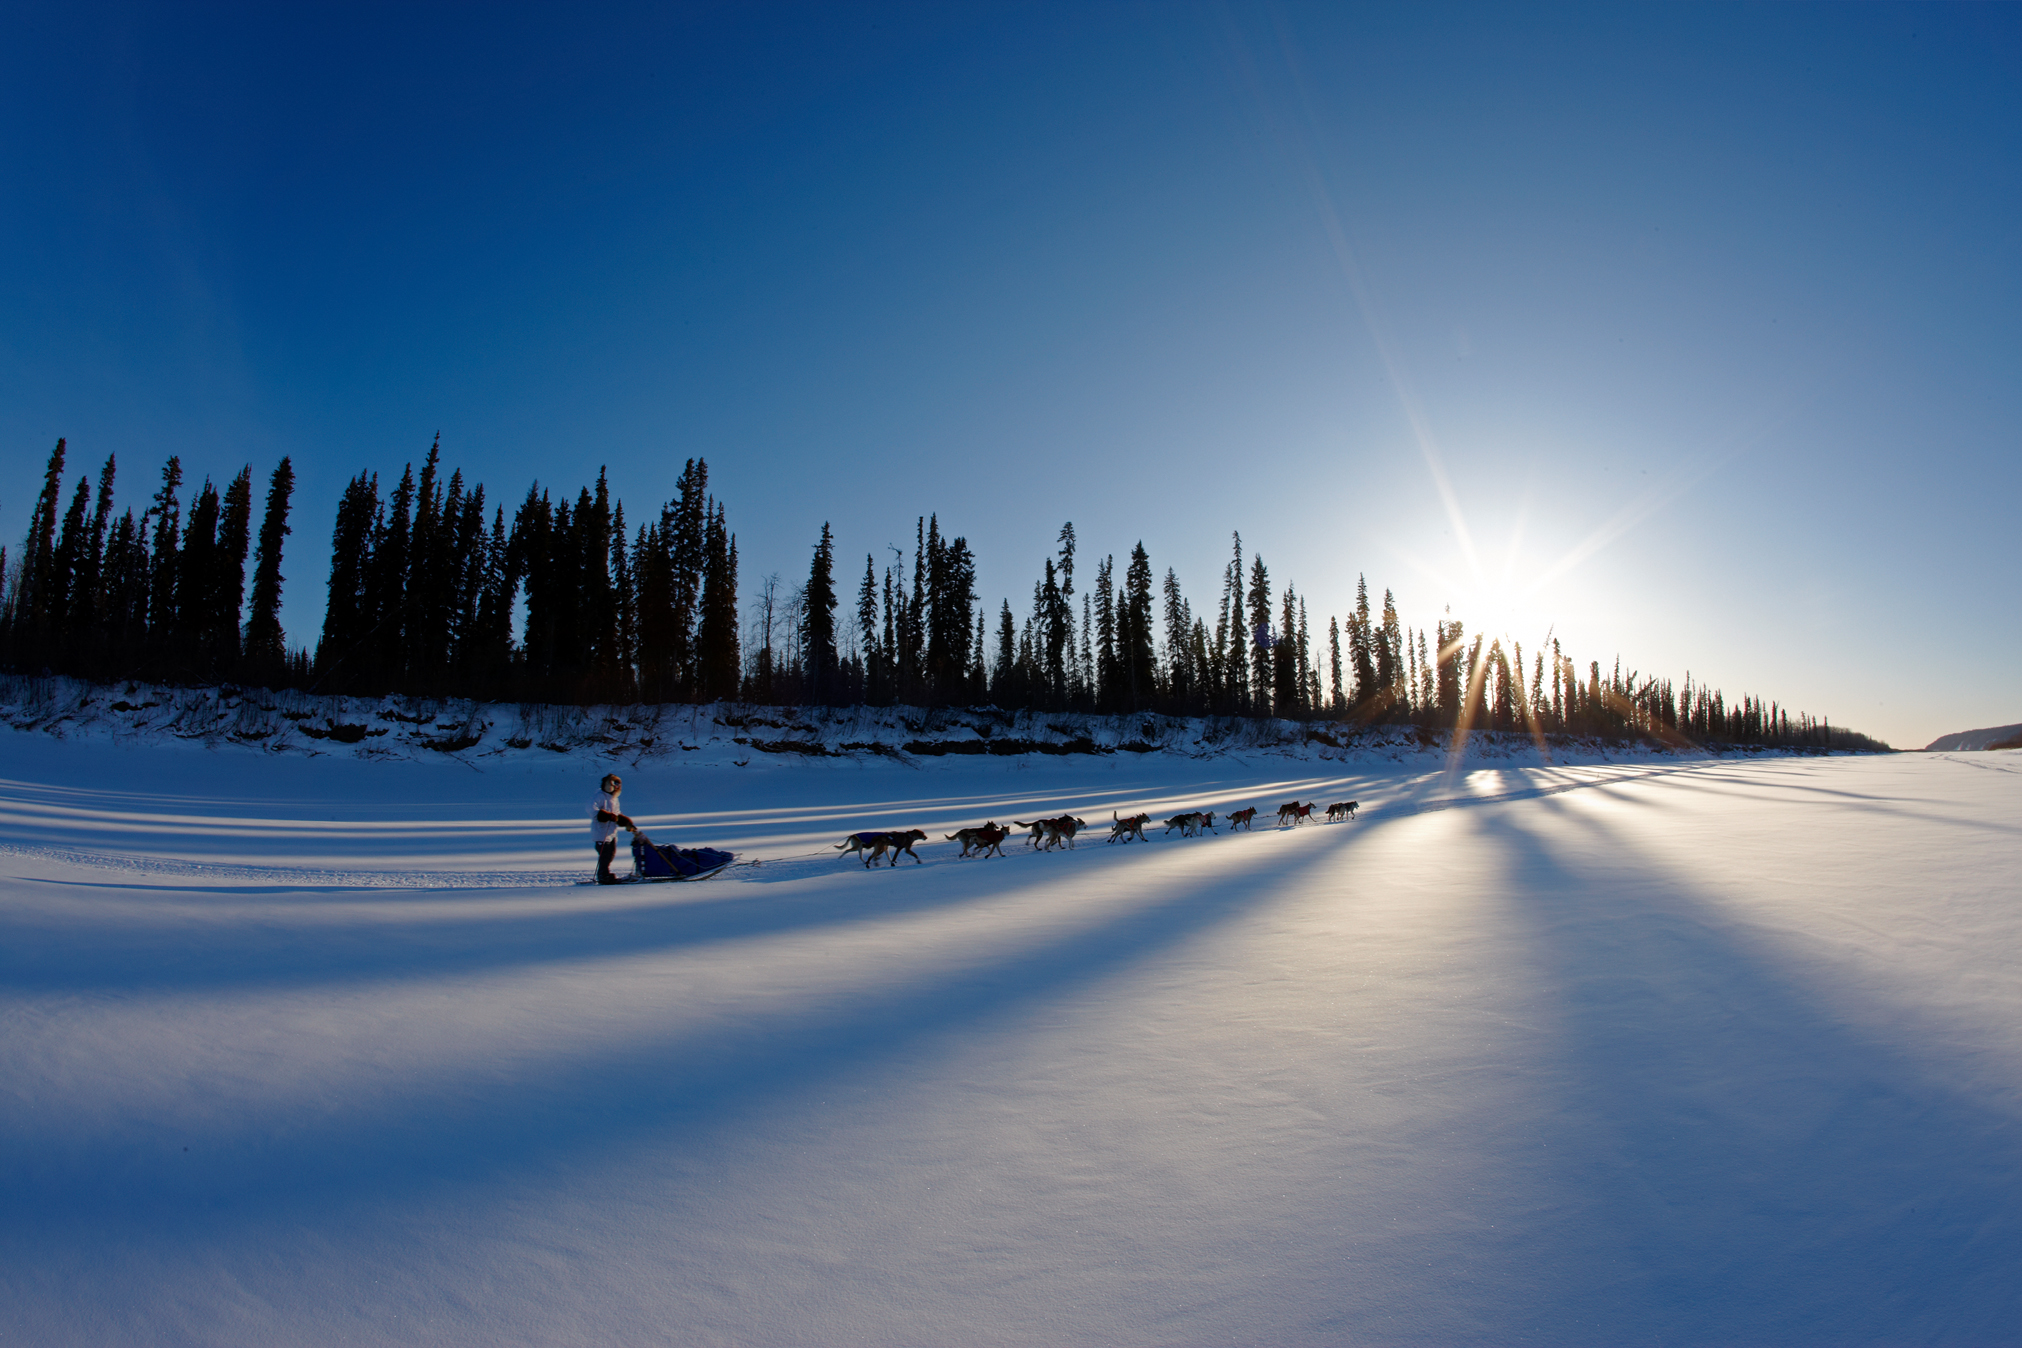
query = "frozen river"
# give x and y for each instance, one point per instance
(1668, 1052)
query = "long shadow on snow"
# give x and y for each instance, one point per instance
(92, 955)
(1774, 1174)
(488, 1131)
(1708, 778)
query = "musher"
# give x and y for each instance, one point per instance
(605, 821)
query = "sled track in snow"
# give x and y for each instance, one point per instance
(318, 877)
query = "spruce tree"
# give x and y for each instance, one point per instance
(425, 606)
(1060, 618)
(888, 644)
(1360, 642)
(686, 523)
(1452, 677)
(382, 663)
(1308, 700)
(867, 626)
(1085, 678)
(88, 603)
(1284, 658)
(1410, 670)
(1179, 670)
(1004, 678)
(1389, 650)
(527, 559)
(716, 633)
(197, 596)
(817, 636)
(653, 577)
(952, 583)
(1051, 616)
(167, 513)
(1108, 677)
(235, 523)
(596, 639)
(1140, 663)
(913, 624)
(70, 547)
(124, 583)
(1334, 665)
(1232, 637)
(470, 572)
(34, 598)
(491, 656)
(1261, 670)
(979, 662)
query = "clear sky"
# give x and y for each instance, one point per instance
(1689, 333)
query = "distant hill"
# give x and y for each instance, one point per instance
(1997, 737)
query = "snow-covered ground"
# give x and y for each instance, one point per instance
(332, 1050)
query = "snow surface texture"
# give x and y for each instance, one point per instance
(1667, 1051)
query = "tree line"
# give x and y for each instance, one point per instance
(157, 595)
(433, 591)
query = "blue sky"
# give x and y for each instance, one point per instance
(1689, 333)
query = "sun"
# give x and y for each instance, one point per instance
(1502, 608)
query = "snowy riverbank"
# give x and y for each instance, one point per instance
(728, 734)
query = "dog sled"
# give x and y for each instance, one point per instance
(653, 863)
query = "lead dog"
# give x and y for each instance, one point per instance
(987, 839)
(1345, 810)
(896, 843)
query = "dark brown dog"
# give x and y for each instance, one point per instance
(1242, 818)
(1049, 833)
(986, 839)
(1063, 829)
(896, 843)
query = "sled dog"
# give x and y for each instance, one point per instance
(1123, 830)
(1241, 818)
(1344, 810)
(1048, 833)
(896, 843)
(862, 843)
(985, 840)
